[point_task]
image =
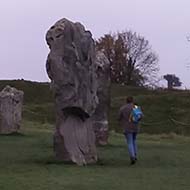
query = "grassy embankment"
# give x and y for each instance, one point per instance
(164, 111)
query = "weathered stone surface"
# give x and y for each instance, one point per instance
(71, 68)
(11, 101)
(100, 116)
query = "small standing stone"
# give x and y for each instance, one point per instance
(11, 101)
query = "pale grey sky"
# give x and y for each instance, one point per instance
(23, 50)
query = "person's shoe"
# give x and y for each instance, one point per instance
(133, 161)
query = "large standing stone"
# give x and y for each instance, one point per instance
(11, 101)
(71, 67)
(100, 116)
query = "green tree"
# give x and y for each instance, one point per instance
(173, 81)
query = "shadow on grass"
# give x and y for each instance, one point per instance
(14, 134)
(155, 161)
(117, 159)
(108, 161)
(111, 146)
(51, 161)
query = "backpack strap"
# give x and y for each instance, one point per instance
(131, 114)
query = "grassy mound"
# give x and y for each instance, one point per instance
(164, 111)
(38, 100)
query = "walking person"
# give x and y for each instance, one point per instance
(129, 122)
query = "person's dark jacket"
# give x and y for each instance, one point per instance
(124, 118)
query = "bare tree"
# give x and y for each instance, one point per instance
(132, 60)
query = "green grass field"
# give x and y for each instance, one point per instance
(27, 162)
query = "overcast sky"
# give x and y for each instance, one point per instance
(23, 50)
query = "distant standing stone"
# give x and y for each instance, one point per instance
(100, 117)
(11, 101)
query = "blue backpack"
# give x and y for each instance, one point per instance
(136, 114)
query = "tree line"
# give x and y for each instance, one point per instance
(132, 59)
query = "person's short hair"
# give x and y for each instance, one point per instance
(129, 99)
